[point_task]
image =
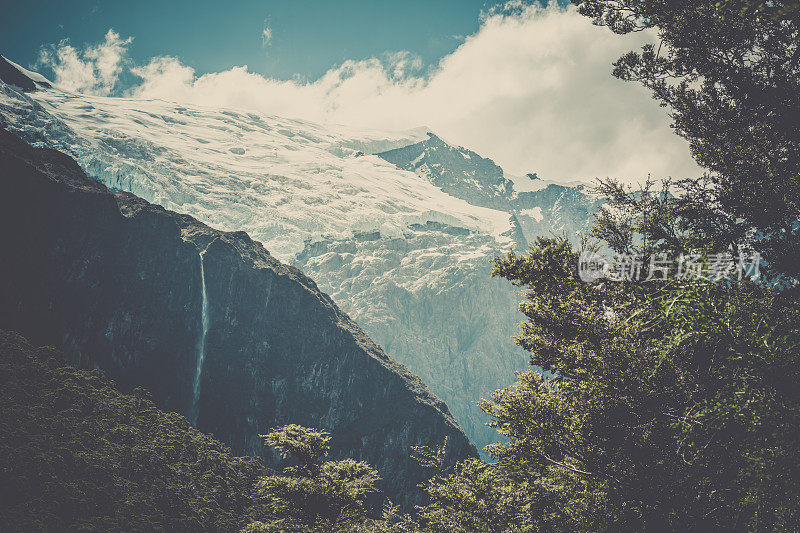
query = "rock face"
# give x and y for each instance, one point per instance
(548, 208)
(13, 74)
(444, 317)
(117, 283)
(459, 172)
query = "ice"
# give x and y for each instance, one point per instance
(535, 213)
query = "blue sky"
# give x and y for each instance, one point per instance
(307, 36)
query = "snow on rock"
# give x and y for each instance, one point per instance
(535, 213)
(14, 74)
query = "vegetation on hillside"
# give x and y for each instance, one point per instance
(76, 454)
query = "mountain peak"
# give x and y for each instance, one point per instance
(13, 74)
(456, 170)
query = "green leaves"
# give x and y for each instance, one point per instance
(669, 402)
(306, 445)
(324, 496)
(76, 454)
(728, 73)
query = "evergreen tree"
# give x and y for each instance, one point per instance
(314, 495)
(672, 404)
(729, 73)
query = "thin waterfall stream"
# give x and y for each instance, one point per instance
(201, 343)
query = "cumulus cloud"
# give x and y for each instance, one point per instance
(531, 89)
(93, 70)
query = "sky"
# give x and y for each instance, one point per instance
(305, 37)
(530, 87)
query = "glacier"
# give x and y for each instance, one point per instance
(398, 227)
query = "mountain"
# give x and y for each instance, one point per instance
(457, 171)
(401, 240)
(536, 208)
(13, 74)
(208, 321)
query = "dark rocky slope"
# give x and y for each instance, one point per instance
(116, 283)
(11, 74)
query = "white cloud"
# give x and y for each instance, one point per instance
(532, 89)
(401, 64)
(266, 35)
(93, 70)
(163, 77)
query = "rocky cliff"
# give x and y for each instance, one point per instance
(444, 317)
(208, 321)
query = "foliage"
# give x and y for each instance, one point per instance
(314, 495)
(477, 497)
(306, 445)
(729, 73)
(76, 454)
(759, 8)
(430, 458)
(672, 405)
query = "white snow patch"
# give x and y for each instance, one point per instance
(525, 184)
(535, 213)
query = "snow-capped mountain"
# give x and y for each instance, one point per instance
(462, 173)
(457, 171)
(401, 240)
(208, 322)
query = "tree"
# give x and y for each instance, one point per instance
(307, 446)
(671, 405)
(314, 495)
(729, 72)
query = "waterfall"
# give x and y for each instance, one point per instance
(201, 344)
